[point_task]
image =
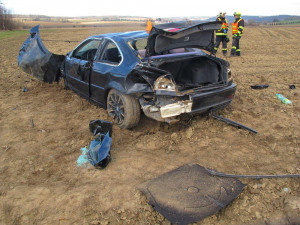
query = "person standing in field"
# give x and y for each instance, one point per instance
(149, 26)
(221, 35)
(237, 32)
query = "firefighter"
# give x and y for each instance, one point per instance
(221, 35)
(149, 26)
(237, 31)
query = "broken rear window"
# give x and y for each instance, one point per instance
(139, 45)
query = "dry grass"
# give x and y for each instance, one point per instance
(67, 23)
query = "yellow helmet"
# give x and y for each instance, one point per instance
(239, 14)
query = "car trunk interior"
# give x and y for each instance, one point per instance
(200, 71)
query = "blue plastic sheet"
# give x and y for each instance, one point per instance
(99, 151)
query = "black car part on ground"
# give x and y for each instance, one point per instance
(214, 114)
(100, 126)
(260, 86)
(292, 86)
(257, 176)
(190, 193)
(35, 59)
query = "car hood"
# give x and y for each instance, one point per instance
(35, 59)
(164, 37)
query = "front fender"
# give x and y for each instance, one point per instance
(35, 59)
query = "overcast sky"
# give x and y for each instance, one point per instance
(152, 8)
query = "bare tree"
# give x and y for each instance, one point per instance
(2, 16)
(6, 21)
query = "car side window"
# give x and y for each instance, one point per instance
(111, 54)
(87, 50)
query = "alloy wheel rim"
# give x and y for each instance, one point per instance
(116, 108)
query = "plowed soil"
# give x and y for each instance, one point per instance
(43, 129)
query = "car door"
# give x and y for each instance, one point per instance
(104, 67)
(78, 66)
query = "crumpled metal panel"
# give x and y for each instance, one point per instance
(190, 193)
(35, 59)
(99, 150)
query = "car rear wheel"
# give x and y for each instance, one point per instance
(125, 109)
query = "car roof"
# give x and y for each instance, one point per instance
(124, 35)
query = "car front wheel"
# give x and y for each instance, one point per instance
(125, 109)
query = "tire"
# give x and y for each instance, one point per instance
(124, 109)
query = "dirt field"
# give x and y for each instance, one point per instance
(40, 180)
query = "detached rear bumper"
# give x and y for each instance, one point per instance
(167, 108)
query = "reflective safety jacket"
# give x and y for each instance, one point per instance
(224, 27)
(149, 26)
(238, 27)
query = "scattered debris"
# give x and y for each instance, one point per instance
(286, 190)
(98, 153)
(214, 115)
(31, 122)
(190, 193)
(83, 158)
(25, 89)
(215, 173)
(5, 148)
(260, 86)
(292, 86)
(283, 99)
(100, 126)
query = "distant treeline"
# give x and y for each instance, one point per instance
(285, 22)
(6, 19)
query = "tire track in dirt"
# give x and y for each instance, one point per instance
(290, 34)
(267, 32)
(282, 33)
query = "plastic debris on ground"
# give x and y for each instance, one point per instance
(292, 86)
(83, 158)
(283, 99)
(98, 153)
(190, 193)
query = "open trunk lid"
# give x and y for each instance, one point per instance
(164, 37)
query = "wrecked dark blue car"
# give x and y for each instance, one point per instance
(164, 74)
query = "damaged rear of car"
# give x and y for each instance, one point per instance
(164, 74)
(182, 77)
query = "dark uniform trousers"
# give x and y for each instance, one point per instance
(219, 39)
(235, 50)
